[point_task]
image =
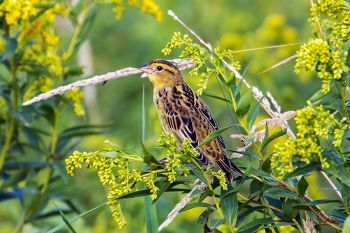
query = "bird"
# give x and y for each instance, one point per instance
(185, 115)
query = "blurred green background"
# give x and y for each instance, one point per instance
(138, 38)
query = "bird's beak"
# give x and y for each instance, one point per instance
(146, 69)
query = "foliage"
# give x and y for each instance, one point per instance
(273, 196)
(35, 140)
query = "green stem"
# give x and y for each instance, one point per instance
(13, 122)
(343, 102)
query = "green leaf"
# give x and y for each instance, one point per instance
(204, 216)
(243, 104)
(237, 90)
(198, 205)
(148, 158)
(255, 186)
(274, 136)
(346, 226)
(151, 215)
(66, 221)
(317, 96)
(304, 170)
(314, 203)
(213, 223)
(229, 204)
(247, 153)
(339, 171)
(75, 219)
(212, 95)
(253, 113)
(11, 45)
(276, 192)
(221, 78)
(163, 186)
(302, 186)
(139, 193)
(255, 225)
(199, 174)
(213, 135)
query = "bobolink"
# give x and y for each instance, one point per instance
(185, 115)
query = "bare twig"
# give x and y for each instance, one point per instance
(284, 61)
(179, 206)
(266, 47)
(181, 63)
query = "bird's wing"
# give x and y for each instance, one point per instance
(175, 111)
(206, 113)
(222, 160)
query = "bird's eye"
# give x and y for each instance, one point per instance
(159, 68)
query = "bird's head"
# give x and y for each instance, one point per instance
(162, 73)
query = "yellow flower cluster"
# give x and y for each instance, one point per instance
(328, 7)
(34, 22)
(176, 159)
(338, 21)
(146, 6)
(42, 84)
(77, 95)
(313, 124)
(190, 50)
(73, 162)
(115, 172)
(341, 30)
(16, 12)
(220, 175)
(200, 56)
(317, 55)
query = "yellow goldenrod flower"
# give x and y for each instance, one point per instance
(313, 123)
(76, 95)
(317, 55)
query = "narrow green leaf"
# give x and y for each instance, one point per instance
(148, 158)
(163, 186)
(274, 136)
(280, 192)
(138, 193)
(199, 174)
(247, 153)
(253, 113)
(150, 209)
(212, 95)
(229, 204)
(213, 135)
(304, 170)
(243, 104)
(237, 90)
(66, 221)
(213, 223)
(254, 225)
(317, 202)
(204, 216)
(221, 78)
(198, 205)
(302, 186)
(340, 172)
(59, 227)
(346, 226)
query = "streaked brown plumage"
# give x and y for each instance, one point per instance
(184, 114)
